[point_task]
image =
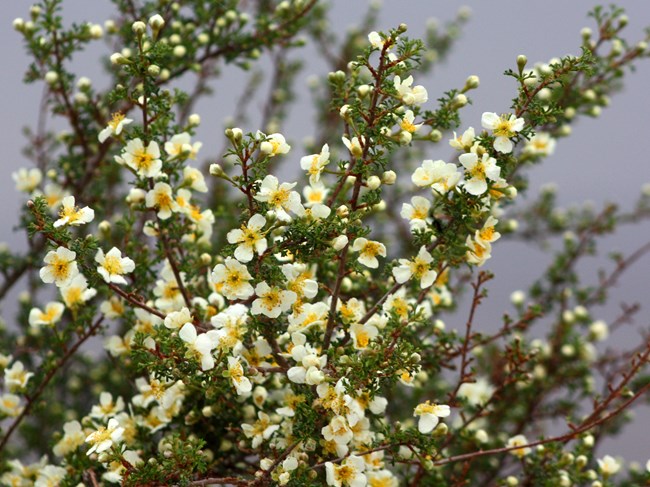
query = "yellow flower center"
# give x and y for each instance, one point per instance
(271, 299)
(363, 339)
(407, 126)
(279, 197)
(504, 128)
(102, 434)
(478, 171)
(345, 473)
(142, 159)
(73, 296)
(112, 264)
(115, 121)
(371, 249)
(487, 233)
(60, 268)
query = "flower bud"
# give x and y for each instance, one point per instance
(343, 111)
(459, 101)
(405, 137)
(153, 70)
(96, 31)
(119, 58)
(521, 62)
(216, 170)
(18, 24)
(139, 28)
(342, 211)
(363, 90)
(373, 182)
(194, 120)
(51, 77)
(435, 135)
(471, 83)
(179, 51)
(389, 177)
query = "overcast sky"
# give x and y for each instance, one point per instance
(605, 159)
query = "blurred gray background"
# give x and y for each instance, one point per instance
(605, 159)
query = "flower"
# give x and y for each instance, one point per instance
(275, 144)
(112, 265)
(410, 96)
(69, 214)
(261, 430)
(160, 196)
(355, 146)
(407, 125)
(375, 40)
(10, 405)
(114, 127)
(608, 466)
(180, 146)
(438, 175)
(478, 171)
(177, 319)
(231, 279)
(249, 238)
(503, 127)
(102, 439)
(368, 251)
(145, 161)
(77, 292)
(476, 393)
(487, 234)
(429, 415)
(417, 213)
(540, 144)
(315, 163)
(477, 252)
(107, 407)
(61, 267)
(279, 197)
(73, 437)
(27, 180)
(51, 315)
(200, 346)
(16, 377)
(419, 268)
(362, 335)
(518, 441)
(239, 380)
(348, 473)
(271, 301)
(193, 178)
(465, 142)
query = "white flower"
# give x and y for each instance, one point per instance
(73, 437)
(419, 267)
(429, 415)
(315, 163)
(50, 476)
(465, 142)
(503, 127)
(310, 363)
(375, 40)
(519, 440)
(362, 335)
(478, 171)
(177, 319)
(194, 178)
(355, 146)
(417, 213)
(114, 127)
(102, 439)
(107, 407)
(51, 315)
(249, 238)
(27, 180)
(231, 279)
(410, 96)
(476, 393)
(310, 315)
(477, 252)
(348, 473)
(112, 265)
(438, 175)
(10, 405)
(180, 146)
(16, 377)
(488, 234)
(145, 161)
(275, 144)
(160, 197)
(239, 380)
(272, 301)
(407, 125)
(608, 466)
(598, 331)
(279, 197)
(300, 280)
(200, 346)
(261, 430)
(338, 430)
(77, 292)
(69, 214)
(368, 251)
(61, 267)
(540, 144)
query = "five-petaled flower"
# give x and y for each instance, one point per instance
(112, 266)
(478, 171)
(69, 214)
(114, 127)
(250, 238)
(503, 127)
(61, 267)
(430, 415)
(102, 439)
(144, 160)
(368, 251)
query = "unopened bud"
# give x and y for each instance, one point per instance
(435, 135)
(373, 182)
(521, 62)
(194, 120)
(119, 58)
(51, 77)
(139, 28)
(342, 211)
(153, 70)
(216, 170)
(389, 177)
(459, 101)
(471, 83)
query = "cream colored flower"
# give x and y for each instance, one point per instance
(144, 160)
(27, 180)
(608, 466)
(348, 474)
(368, 251)
(112, 265)
(180, 145)
(16, 377)
(239, 380)
(519, 441)
(503, 127)
(161, 197)
(419, 267)
(114, 127)
(250, 239)
(103, 439)
(478, 171)
(61, 267)
(73, 438)
(77, 292)
(49, 317)
(464, 142)
(232, 279)
(200, 346)
(362, 335)
(540, 144)
(429, 415)
(69, 214)
(10, 405)
(272, 301)
(410, 96)
(315, 163)
(274, 144)
(260, 430)
(355, 146)
(438, 175)
(194, 178)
